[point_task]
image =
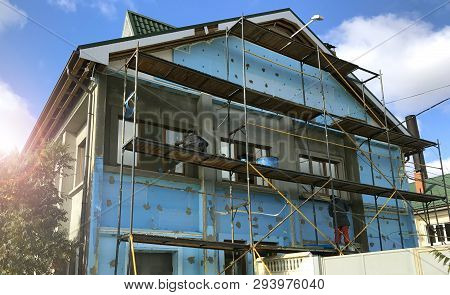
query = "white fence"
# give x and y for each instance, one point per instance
(413, 261)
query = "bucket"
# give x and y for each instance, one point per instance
(129, 110)
(268, 161)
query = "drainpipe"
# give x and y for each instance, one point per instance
(420, 170)
(84, 229)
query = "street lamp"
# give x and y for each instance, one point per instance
(314, 18)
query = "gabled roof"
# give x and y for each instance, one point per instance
(163, 35)
(142, 25)
(101, 52)
(434, 186)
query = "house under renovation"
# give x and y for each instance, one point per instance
(284, 124)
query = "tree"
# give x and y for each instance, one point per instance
(31, 237)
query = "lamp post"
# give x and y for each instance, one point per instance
(314, 18)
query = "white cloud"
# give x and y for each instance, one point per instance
(11, 16)
(106, 7)
(433, 168)
(16, 121)
(66, 5)
(435, 172)
(414, 61)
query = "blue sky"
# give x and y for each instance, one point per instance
(32, 58)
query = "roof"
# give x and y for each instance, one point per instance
(152, 36)
(156, 33)
(142, 25)
(100, 51)
(434, 186)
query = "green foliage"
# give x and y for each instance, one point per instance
(441, 257)
(31, 214)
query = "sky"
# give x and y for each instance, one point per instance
(408, 41)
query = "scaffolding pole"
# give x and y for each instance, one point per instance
(316, 235)
(133, 164)
(230, 173)
(249, 199)
(443, 178)
(346, 133)
(390, 160)
(333, 199)
(119, 215)
(375, 197)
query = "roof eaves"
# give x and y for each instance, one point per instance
(117, 40)
(62, 77)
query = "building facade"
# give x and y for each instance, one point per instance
(184, 200)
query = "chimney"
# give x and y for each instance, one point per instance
(420, 171)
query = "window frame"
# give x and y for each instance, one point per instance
(323, 167)
(142, 124)
(239, 177)
(126, 138)
(164, 140)
(433, 233)
(80, 163)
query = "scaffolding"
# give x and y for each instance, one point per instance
(247, 31)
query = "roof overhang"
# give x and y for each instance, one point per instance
(81, 62)
(65, 94)
(101, 52)
(104, 52)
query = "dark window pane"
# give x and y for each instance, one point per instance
(240, 265)
(154, 263)
(440, 232)
(431, 234)
(447, 230)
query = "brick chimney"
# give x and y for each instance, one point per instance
(420, 170)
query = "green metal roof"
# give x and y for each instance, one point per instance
(434, 186)
(143, 25)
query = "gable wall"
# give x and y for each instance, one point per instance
(210, 57)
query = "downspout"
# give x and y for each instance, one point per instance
(84, 230)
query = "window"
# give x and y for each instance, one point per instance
(447, 230)
(260, 152)
(238, 152)
(431, 234)
(128, 155)
(154, 263)
(224, 151)
(240, 266)
(81, 160)
(150, 131)
(438, 233)
(171, 137)
(317, 166)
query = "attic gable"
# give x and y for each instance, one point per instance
(137, 24)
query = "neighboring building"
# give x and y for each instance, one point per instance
(433, 228)
(84, 112)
